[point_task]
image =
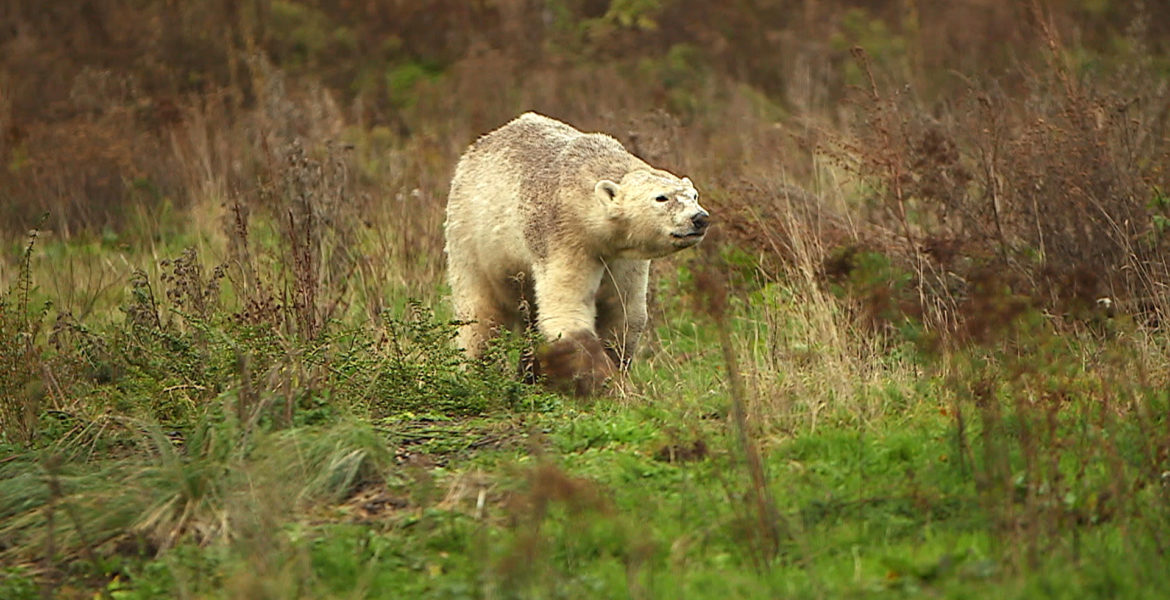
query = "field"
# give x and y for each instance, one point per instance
(922, 353)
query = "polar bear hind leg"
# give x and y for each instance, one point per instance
(476, 308)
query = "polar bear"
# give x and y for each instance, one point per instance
(556, 227)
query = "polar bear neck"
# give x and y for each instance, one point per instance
(557, 190)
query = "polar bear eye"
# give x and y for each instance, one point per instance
(662, 199)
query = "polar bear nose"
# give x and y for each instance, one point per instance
(701, 220)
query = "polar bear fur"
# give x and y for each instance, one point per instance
(547, 223)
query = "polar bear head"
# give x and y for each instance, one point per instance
(652, 213)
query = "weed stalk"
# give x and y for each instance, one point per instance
(760, 501)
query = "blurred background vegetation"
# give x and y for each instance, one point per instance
(1029, 134)
(942, 230)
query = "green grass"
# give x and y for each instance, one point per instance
(581, 504)
(226, 362)
(404, 474)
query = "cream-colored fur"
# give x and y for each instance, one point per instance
(565, 221)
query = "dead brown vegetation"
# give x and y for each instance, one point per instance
(954, 137)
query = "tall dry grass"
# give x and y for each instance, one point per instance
(903, 192)
(317, 138)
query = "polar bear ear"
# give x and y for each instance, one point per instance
(687, 181)
(607, 187)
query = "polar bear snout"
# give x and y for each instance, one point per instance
(698, 223)
(701, 220)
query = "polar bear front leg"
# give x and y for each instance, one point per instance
(565, 296)
(566, 293)
(621, 307)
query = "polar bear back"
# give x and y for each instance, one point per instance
(517, 180)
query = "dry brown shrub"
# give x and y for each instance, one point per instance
(963, 167)
(91, 93)
(95, 164)
(1053, 184)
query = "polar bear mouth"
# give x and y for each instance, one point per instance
(687, 239)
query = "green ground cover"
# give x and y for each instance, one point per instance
(922, 352)
(368, 463)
